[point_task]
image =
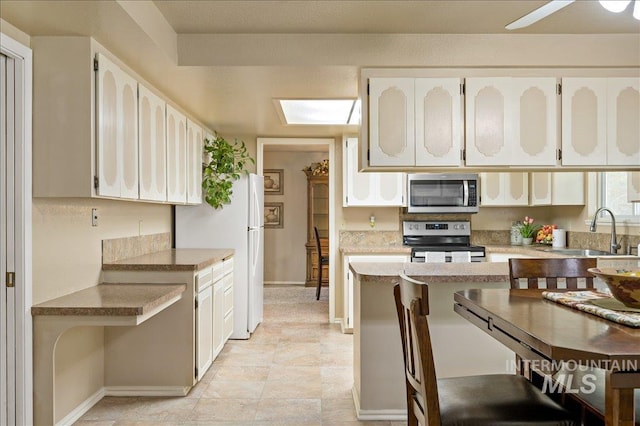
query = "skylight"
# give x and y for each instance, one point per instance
(321, 111)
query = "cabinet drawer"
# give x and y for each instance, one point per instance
(228, 281)
(204, 278)
(217, 271)
(227, 266)
(228, 300)
(228, 325)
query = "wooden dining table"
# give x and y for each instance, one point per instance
(547, 333)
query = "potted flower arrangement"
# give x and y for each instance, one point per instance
(528, 230)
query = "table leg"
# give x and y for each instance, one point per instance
(619, 404)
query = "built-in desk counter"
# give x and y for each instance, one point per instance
(102, 305)
(171, 260)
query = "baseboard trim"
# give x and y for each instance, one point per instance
(378, 415)
(82, 408)
(300, 283)
(146, 390)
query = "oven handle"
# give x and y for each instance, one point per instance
(465, 192)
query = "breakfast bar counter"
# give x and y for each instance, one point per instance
(379, 383)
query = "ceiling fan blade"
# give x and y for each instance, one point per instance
(538, 14)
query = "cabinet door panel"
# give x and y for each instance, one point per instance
(584, 121)
(536, 121)
(391, 122)
(176, 156)
(117, 136)
(540, 193)
(152, 143)
(108, 143)
(129, 102)
(488, 121)
(438, 121)
(492, 193)
(204, 331)
(194, 163)
(633, 187)
(623, 121)
(516, 189)
(567, 188)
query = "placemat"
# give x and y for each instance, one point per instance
(583, 301)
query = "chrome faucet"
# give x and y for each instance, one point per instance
(614, 245)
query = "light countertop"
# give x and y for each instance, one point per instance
(111, 300)
(171, 260)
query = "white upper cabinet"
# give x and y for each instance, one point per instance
(176, 156)
(504, 189)
(557, 189)
(438, 122)
(194, 163)
(415, 121)
(117, 131)
(369, 188)
(153, 143)
(600, 121)
(511, 121)
(391, 122)
(633, 187)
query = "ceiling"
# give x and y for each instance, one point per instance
(226, 61)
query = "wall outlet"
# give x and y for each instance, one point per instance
(94, 217)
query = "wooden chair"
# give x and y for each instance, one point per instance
(590, 406)
(322, 260)
(501, 399)
(550, 269)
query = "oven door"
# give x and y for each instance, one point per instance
(442, 194)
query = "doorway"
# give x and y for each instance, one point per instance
(310, 150)
(15, 233)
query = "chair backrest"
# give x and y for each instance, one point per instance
(570, 269)
(318, 249)
(412, 304)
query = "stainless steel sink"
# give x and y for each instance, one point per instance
(580, 252)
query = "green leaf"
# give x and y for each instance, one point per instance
(227, 163)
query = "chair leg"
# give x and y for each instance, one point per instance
(319, 279)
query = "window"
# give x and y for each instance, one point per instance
(613, 195)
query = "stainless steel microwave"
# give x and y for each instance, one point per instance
(442, 193)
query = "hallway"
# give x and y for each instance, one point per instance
(296, 369)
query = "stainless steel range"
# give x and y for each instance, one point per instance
(440, 241)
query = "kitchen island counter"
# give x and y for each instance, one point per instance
(435, 272)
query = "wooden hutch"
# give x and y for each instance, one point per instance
(317, 215)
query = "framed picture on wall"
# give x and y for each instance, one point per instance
(273, 215)
(273, 181)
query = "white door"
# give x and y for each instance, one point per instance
(623, 123)
(176, 156)
(194, 163)
(16, 401)
(7, 244)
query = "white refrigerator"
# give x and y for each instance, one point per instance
(240, 226)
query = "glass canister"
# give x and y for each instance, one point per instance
(516, 237)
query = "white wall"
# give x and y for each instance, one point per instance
(285, 253)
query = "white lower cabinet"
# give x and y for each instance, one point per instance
(204, 326)
(347, 321)
(188, 335)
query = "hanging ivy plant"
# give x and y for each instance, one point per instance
(224, 163)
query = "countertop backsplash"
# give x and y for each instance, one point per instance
(123, 248)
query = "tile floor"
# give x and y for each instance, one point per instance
(295, 370)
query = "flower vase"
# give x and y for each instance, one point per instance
(527, 241)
